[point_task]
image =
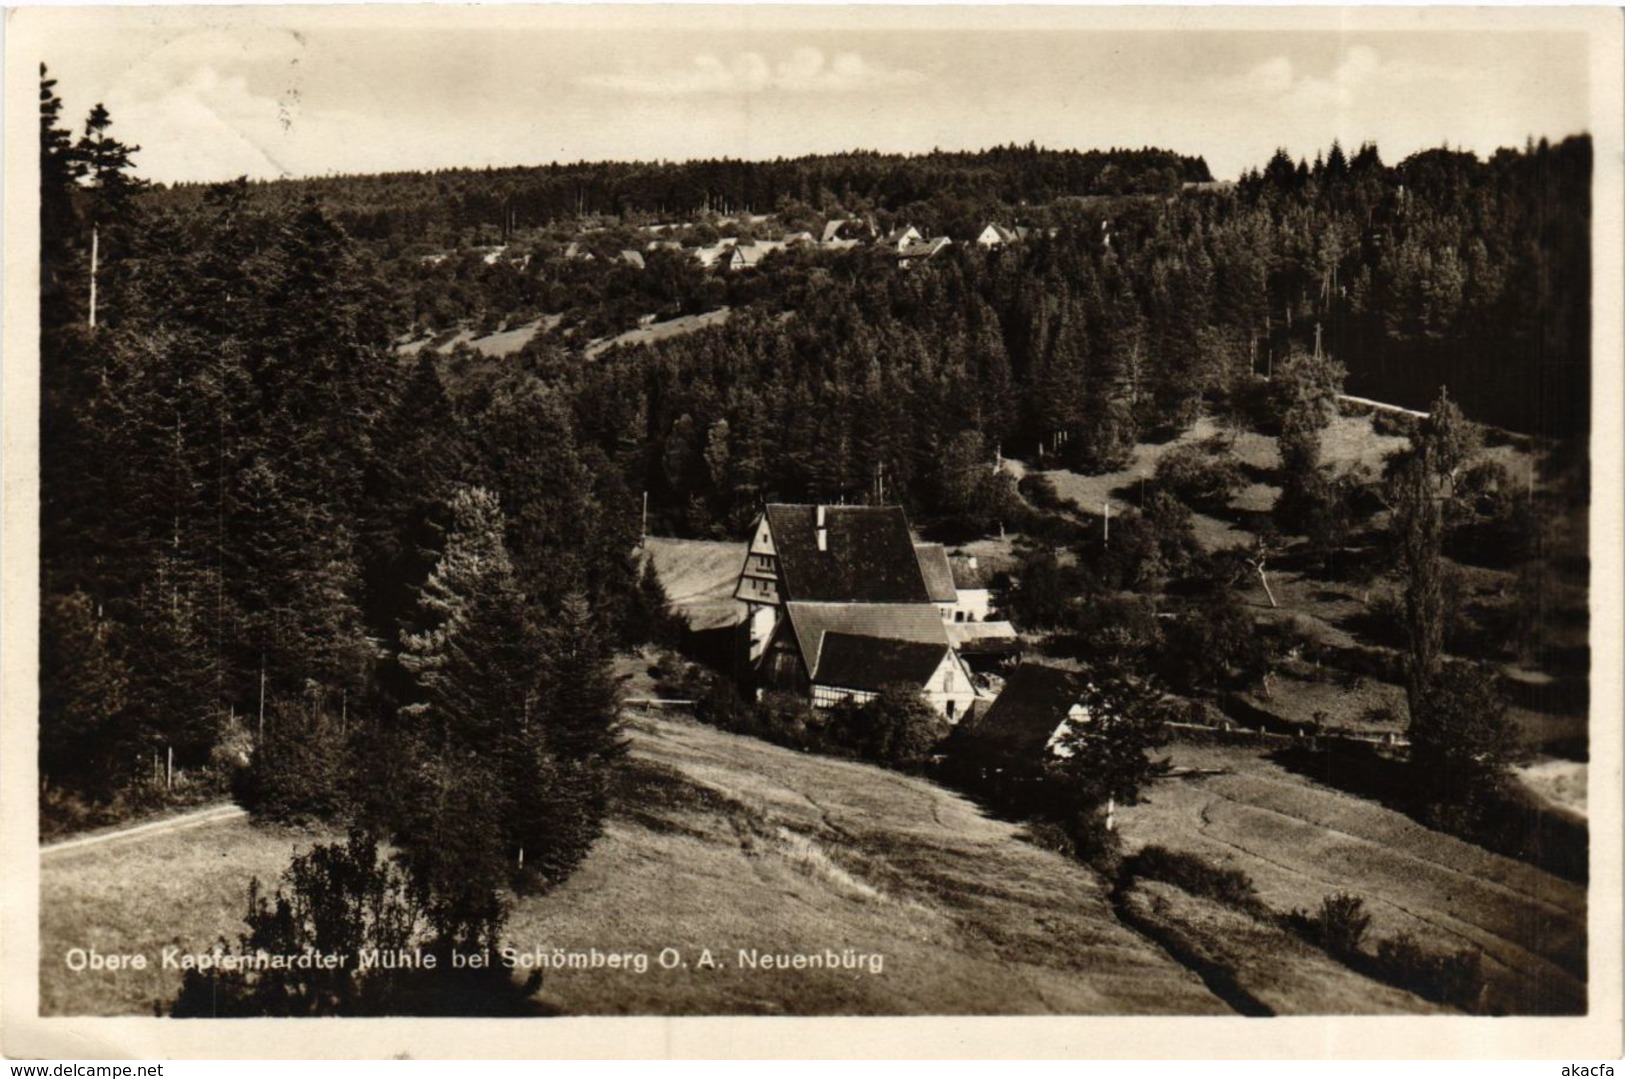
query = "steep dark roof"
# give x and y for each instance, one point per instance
(853, 662)
(814, 623)
(939, 578)
(1032, 705)
(869, 556)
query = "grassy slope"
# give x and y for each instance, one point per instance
(717, 842)
(739, 844)
(492, 346)
(658, 331)
(1301, 841)
(724, 842)
(1273, 969)
(700, 576)
(137, 895)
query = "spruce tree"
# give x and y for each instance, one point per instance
(60, 169)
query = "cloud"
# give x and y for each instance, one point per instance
(805, 70)
(1361, 77)
(203, 124)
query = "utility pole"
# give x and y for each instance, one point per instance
(1106, 525)
(643, 531)
(95, 250)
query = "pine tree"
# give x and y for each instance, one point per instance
(84, 687)
(1418, 523)
(1462, 741)
(1108, 753)
(577, 717)
(108, 166)
(472, 661)
(60, 170)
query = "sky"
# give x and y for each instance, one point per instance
(211, 94)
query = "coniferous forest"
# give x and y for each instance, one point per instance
(291, 561)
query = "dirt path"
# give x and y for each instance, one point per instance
(209, 815)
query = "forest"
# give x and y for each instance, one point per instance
(281, 558)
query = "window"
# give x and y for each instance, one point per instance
(948, 687)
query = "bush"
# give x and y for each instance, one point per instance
(1043, 590)
(788, 720)
(1199, 877)
(341, 899)
(1462, 741)
(1340, 924)
(1117, 631)
(1211, 646)
(1454, 978)
(1047, 835)
(903, 727)
(1039, 489)
(1096, 845)
(716, 698)
(1387, 422)
(719, 704)
(1201, 475)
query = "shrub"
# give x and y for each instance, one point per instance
(719, 704)
(1386, 422)
(1199, 474)
(1454, 978)
(786, 719)
(1096, 845)
(1039, 489)
(1199, 877)
(674, 678)
(1462, 741)
(1043, 590)
(1211, 646)
(1340, 924)
(716, 698)
(903, 727)
(1047, 835)
(341, 899)
(1116, 631)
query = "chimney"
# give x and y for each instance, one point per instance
(823, 531)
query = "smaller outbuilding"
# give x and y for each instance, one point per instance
(1023, 723)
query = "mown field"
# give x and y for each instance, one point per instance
(725, 843)
(658, 331)
(716, 841)
(1300, 840)
(139, 895)
(729, 843)
(699, 577)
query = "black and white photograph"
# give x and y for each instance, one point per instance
(791, 512)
